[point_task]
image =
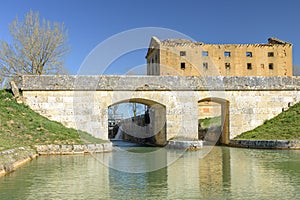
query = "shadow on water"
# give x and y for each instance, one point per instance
(122, 143)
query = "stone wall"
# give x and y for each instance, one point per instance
(82, 102)
(152, 132)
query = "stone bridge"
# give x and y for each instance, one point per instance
(82, 102)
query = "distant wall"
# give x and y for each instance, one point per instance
(140, 131)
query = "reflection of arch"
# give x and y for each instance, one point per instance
(224, 137)
(146, 128)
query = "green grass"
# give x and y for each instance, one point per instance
(210, 122)
(21, 126)
(285, 126)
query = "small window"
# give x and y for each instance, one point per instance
(205, 65)
(204, 53)
(270, 54)
(249, 66)
(271, 66)
(248, 54)
(182, 53)
(262, 66)
(182, 65)
(206, 110)
(227, 54)
(227, 66)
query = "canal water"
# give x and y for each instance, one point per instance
(220, 173)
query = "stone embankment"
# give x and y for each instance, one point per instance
(14, 158)
(11, 159)
(266, 144)
(73, 149)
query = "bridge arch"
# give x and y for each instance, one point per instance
(148, 126)
(214, 112)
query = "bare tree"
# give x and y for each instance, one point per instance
(37, 48)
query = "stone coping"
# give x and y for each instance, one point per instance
(11, 159)
(157, 83)
(73, 149)
(267, 144)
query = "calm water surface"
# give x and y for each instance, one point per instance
(224, 173)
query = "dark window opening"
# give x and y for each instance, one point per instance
(227, 66)
(248, 54)
(249, 66)
(182, 53)
(271, 66)
(262, 66)
(227, 54)
(205, 65)
(204, 53)
(182, 65)
(270, 54)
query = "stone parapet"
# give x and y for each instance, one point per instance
(157, 83)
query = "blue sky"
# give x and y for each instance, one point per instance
(90, 22)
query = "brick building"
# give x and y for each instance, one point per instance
(188, 58)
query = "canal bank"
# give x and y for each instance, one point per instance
(266, 144)
(12, 159)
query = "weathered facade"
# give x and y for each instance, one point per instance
(187, 58)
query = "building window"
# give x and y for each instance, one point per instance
(182, 66)
(270, 54)
(262, 66)
(271, 66)
(204, 53)
(249, 66)
(206, 110)
(227, 54)
(248, 54)
(205, 65)
(182, 53)
(227, 66)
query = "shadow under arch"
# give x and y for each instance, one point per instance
(210, 109)
(147, 127)
(144, 101)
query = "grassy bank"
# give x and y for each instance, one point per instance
(21, 126)
(285, 126)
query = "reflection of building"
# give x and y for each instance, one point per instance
(209, 109)
(188, 58)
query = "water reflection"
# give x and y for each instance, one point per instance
(225, 173)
